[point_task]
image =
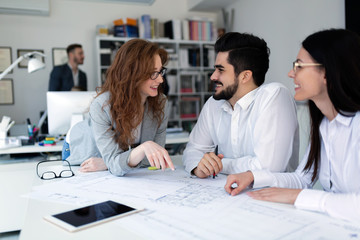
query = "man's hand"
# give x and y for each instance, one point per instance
(242, 180)
(209, 165)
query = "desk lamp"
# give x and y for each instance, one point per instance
(33, 64)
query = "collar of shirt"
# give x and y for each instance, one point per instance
(69, 66)
(75, 75)
(343, 120)
(72, 70)
(243, 102)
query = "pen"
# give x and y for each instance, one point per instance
(30, 131)
(216, 153)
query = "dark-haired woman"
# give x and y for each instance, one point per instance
(128, 118)
(327, 73)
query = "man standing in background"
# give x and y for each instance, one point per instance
(68, 77)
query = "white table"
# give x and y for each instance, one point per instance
(240, 219)
(36, 227)
(17, 177)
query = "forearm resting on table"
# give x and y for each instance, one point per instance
(137, 154)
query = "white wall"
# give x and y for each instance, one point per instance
(284, 24)
(70, 21)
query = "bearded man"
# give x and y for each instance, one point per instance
(252, 125)
(68, 77)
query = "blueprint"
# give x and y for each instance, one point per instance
(182, 207)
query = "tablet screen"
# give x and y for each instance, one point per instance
(94, 213)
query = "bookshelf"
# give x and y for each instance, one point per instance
(189, 69)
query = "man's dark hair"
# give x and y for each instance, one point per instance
(246, 52)
(71, 47)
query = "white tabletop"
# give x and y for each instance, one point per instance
(16, 179)
(35, 227)
(231, 217)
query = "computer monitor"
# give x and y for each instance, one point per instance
(65, 107)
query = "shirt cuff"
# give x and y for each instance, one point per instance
(227, 166)
(262, 178)
(124, 167)
(309, 199)
(190, 166)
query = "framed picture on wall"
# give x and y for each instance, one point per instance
(24, 62)
(5, 58)
(59, 56)
(6, 91)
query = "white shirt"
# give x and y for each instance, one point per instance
(75, 75)
(261, 132)
(339, 171)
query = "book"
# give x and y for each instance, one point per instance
(184, 57)
(131, 31)
(119, 31)
(126, 31)
(172, 29)
(168, 30)
(189, 107)
(125, 21)
(145, 26)
(194, 57)
(200, 30)
(154, 25)
(172, 60)
(185, 30)
(172, 83)
(208, 56)
(187, 83)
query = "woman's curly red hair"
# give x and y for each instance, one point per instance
(133, 64)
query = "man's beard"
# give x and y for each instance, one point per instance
(228, 92)
(78, 61)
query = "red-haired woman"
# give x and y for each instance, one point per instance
(127, 120)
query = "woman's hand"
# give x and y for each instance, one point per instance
(280, 195)
(242, 180)
(157, 155)
(93, 164)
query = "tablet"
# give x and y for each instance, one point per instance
(88, 216)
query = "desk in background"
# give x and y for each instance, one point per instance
(33, 149)
(173, 138)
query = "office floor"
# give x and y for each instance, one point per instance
(10, 235)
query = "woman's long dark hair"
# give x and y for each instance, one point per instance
(338, 51)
